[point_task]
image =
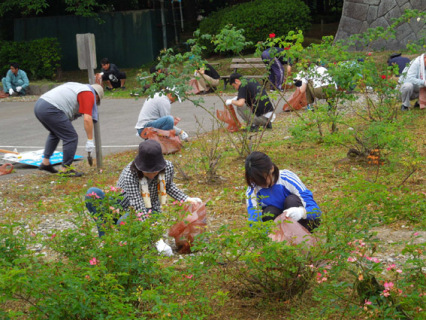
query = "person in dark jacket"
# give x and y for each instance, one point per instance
(112, 77)
(399, 60)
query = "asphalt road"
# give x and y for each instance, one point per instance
(19, 128)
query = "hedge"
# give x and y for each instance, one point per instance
(39, 58)
(260, 18)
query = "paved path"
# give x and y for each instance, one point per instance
(21, 130)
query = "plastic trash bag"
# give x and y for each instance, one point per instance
(228, 116)
(192, 225)
(422, 98)
(296, 101)
(290, 230)
(169, 141)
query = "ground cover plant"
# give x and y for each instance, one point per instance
(236, 272)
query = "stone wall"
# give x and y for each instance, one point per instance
(359, 15)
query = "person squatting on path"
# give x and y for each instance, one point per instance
(276, 68)
(252, 102)
(56, 109)
(413, 83)
(207, 79)
(145, 183)
(16, 81)
(113, 77)
(156, 113)
(272, 192)
(316, 83)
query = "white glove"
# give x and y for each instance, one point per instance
(193, 200)
(11, 91)
(195, 73)
(296, 213)
(228, 102)
(163, 248)
(90, 146)
(101, 73)
(18, 89)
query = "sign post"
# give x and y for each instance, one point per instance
(86, 51)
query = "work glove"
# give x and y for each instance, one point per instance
(228, 102)
(193, 200)
(163, 248)
(90, 146)
(195, 73)
(296, 213)
(11, 91)
(101, 73)
(18, 89)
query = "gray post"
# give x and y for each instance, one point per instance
(87, 60)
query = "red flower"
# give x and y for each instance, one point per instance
(272, 35)
(383, 76)
(287, 48)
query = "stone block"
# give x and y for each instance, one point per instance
(400, 3)
(349, 25)
(394, 13)
(356, 11)
(380, 22)
(417, 26)
(418, 4)
(385, 7)
(403, 31)
(372, 14)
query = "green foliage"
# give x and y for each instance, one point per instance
(264, 268)
(118, 276)
(39, 58)
(259, 18)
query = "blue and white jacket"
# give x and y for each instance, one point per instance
(288, 183)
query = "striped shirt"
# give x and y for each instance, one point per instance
(132, 197)
(288, 183)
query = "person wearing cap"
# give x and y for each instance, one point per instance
(56, 109)
(252, 102)
(207, 79)
(156, 113)
(145, 183)
(413, 83)
(16, 81)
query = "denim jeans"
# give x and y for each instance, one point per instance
(91, 204)
(163, 123)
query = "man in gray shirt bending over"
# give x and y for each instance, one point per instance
(156, 113)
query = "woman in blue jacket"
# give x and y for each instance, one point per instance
(272, 192)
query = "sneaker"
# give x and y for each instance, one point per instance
(123, 87)
(109, 89)
(253, 128)
(48, 168)
(183, 136)
(269, 125)
(404, 108)
(70, 173)
(417, 105)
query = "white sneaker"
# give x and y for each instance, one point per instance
(183, 136)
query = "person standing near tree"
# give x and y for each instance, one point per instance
(16, 81)
(272, 192)
(56, 109)
(113, 77)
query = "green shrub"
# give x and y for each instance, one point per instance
(38, 58)
(259, 19)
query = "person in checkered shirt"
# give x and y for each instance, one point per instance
(145, 183)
